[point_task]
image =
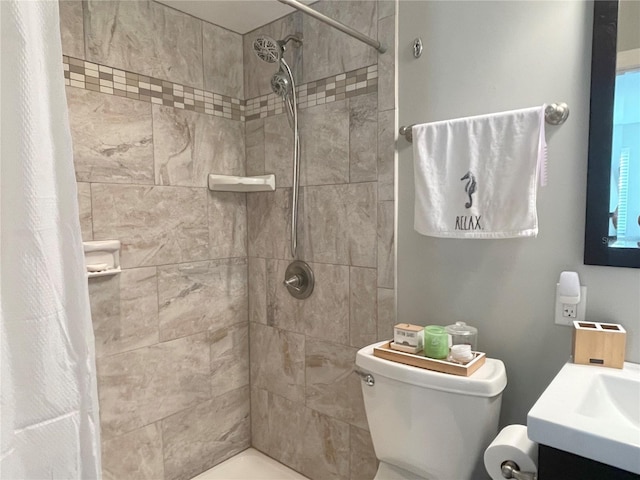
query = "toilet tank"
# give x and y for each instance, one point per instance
(432, 424)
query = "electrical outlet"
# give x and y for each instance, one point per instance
(569, 311)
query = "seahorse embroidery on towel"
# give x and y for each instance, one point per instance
(470, 187)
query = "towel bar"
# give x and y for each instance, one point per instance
(554, 114)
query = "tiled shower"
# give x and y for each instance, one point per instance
(201, 352)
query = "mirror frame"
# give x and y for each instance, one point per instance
(603, 77)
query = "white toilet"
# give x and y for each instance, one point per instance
(430, 425)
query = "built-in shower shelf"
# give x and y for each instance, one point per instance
(231, 183)
(102, 258)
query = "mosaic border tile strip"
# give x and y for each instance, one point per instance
(331, 89)
(112, 81)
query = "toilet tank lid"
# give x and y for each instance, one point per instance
(488, 381)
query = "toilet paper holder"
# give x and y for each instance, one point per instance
(510, 469)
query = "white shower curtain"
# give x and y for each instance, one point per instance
(48, 396)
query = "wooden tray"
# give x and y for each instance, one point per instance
(384, 351)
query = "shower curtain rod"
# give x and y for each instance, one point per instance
(335, 24)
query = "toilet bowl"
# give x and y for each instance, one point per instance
(430, 425)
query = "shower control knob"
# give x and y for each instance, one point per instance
(299, 280)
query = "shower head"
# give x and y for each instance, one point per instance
(271, 51)
(280, 83)
(267, 49)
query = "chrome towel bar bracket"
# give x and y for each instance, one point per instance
(554, 114)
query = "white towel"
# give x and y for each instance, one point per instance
(476, 177)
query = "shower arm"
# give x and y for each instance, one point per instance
(335, 24)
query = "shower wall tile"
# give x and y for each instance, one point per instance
(363, 462)
(145, 37)
(386, 64)
(385, 9)
(229, 358)
(363, 138)
(201, 296)
(190, 145)
(71, 28)
(257, 73)
(312, 443)
(84, 209)
(148, 384)
(278, 149)
(137, 454)
(124, 310)
(386, 313)
(227, 214)
(280, 368)
(156, 225)
(257, 279)
(268, 219)
(328, 51)
(340, 224)
(254, 146)
(260, 419)
(386, 155)
(386, 250)
(362, 306)
(331, 386)
(200, 437)
(222, 54)
(324, 141)
(324, 315)
(112, 138)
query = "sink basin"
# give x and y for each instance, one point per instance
(593, 412)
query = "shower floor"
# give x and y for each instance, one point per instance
(250, 465)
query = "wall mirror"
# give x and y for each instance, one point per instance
(612, 233)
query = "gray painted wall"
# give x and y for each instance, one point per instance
(628, 25)
(485, 57)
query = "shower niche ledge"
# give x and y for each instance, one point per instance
(102, 258)
(231, 183)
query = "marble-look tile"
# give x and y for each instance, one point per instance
(278, 361)
(386, 155)
(84, 210)
(71, 28)
(201, 437)
(325, 447)
(124, 310)
(254, 146)
(150, 383)
(386, 313)
(229, 358)
(134, 455)
(257, 280)
(331, 386)
(324, 315)
(257, 73)
(278, 149)
(340, 224)
(387, 64)
(189, 145)
(222, 54)
(363, 464)
(112, 138)
(324, 141)
(227, 224)
(328, 51)
(386, 245)
(386, 8)
(195, 297)
(363, 306)
(307, 441)
(269, 220)
(363, 135)
(145, 37)
(260, 419)
(156, 225)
